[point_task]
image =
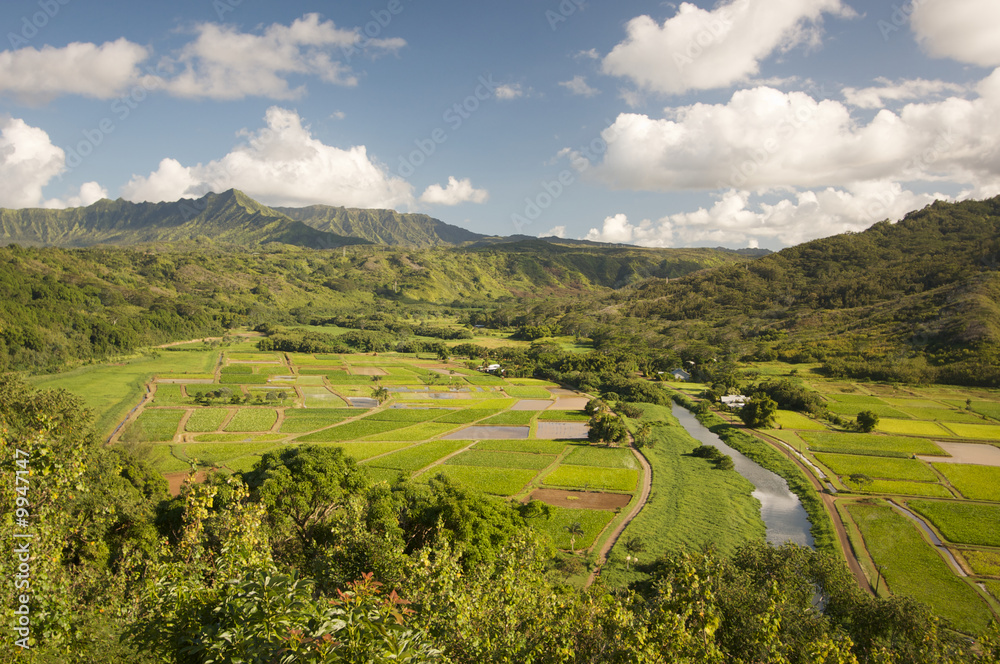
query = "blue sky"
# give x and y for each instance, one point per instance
(739, 123)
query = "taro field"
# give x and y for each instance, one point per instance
(510, 439)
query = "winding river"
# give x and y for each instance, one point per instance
(783, 514)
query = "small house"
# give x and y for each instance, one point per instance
(680, 374)
(734, 401)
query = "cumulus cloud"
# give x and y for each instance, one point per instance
(223, 63)
(740, 218)
(963, 30)
(90, 193)
(509, 91)
(282, 164)
(557, 231)
(103, 72)
(763, 139)
(578, 86)
(699, 49)
(456, 192)
(887, 91)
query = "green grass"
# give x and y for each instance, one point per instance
(898, 487)
(253, 420)
(511, 418)
(605, 457)
(416, 432)
(530, 446)
(253, 357)
(362, 451)
(912, 428)
(591, 521)
(975, 482)
(351, 431)
(962, 522)
(303, 420)
(161, 458)
(420, 456)
(853, 409)
(913, 568)
(468, 415)
(242, 379)
(943, 415)
(612, 479)
(217, 454)
(407, 414)
(206, 419)
(859, 399)
(871, 444)
(789, 419)
(915, 403)
(501, 459)
(236, 369)
(984, 563)
(153, 426)
(239, 438)
(980, 431)
(987, 408)
(498, 481)
(564, 416)
(169, 395)
(877, 467)
(527, 392)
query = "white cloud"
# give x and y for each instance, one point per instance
(589, 54)
(557, 231)
(765, 139)
(699, 49)
(963, 30)
(281, 164)
(456, 192)
(887, 91)
(223, 63)
(618, 230)
(578, 86)
(90, 193)
(507, 92)
(28, 161)
(102, 72)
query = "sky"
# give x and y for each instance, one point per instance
(741, 123)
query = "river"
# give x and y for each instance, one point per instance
(785, 518)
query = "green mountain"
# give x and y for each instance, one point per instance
(382, 226)
(231, 217)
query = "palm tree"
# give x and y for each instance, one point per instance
(575, 530)
(643, 433)
(380, 394)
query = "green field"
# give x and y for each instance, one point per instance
(527, 392)
(871, 444)
(498, 481)
(320, 397)
(529, 446)
(363, 451)
(303, 420)
(980, 431)
(415, 432)
(943, 415)
(242, 379)
(975, 482)
(858, 399)
(253, 420)
(411, 415)
(153, 426)
(606, 457)
(912, 428)
(564, 416)
(592, 522)
(911, 567)
(162, 458)
(962, 522)
(420, 456)
(206, 419)
(591, 477)
(468, 415)
(511, 418)
(217, 454)
(169, 395)
(878, 467)
(351, 431)
(501, 459)
(903, 488)
(852, 409)
(238, 438)
(789, 419)
(984, 563)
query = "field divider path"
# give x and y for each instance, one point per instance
(180, 435)
(276, 427)
(612, 538)
(133, 414)
(929, 534)
(536, 481)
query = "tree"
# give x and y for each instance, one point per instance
(575, 530)
(867, 421)
(644, 435)
(860, 480)
(759, 411)
(607, 428)
(380, 394)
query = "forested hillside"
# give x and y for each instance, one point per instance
(382, 226)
